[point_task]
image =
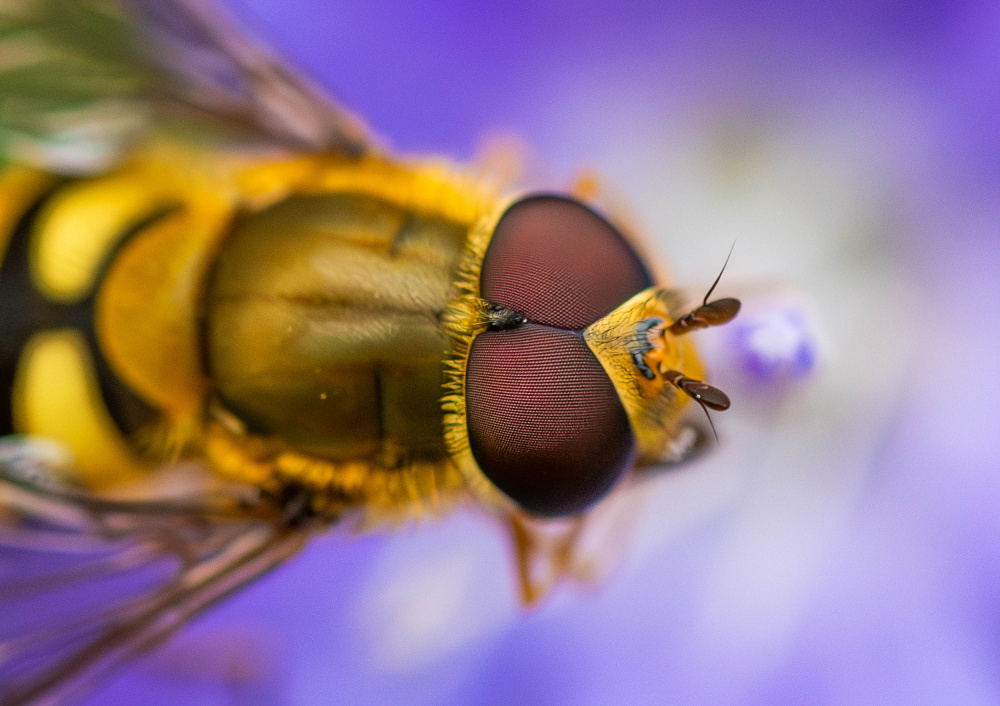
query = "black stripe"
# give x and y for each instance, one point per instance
(22, 311)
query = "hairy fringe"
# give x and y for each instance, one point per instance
(463, 320)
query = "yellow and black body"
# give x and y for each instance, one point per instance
(279, 319)
(230, 320)
(300, 321)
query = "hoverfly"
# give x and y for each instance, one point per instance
(231, 321)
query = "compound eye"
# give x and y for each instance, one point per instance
(545, 423)
(557, 262)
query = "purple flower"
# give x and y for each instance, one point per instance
(775, 346)
(842, 544)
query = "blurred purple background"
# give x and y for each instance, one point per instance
(843, 544)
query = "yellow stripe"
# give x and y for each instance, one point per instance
(81, 225)
(56, 396)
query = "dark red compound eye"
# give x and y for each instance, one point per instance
(557, 262)
(545, 423)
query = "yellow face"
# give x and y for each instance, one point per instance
(638, 352)
(569, 367)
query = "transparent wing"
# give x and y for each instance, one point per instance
(87, 583)
(216, 69)
(73, 84)
(81, 79)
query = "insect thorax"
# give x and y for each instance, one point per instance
(322, 325)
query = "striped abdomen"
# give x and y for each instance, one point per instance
(130, 304)
(85, 358)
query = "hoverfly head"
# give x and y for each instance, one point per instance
(552, 399)
(542, 418)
